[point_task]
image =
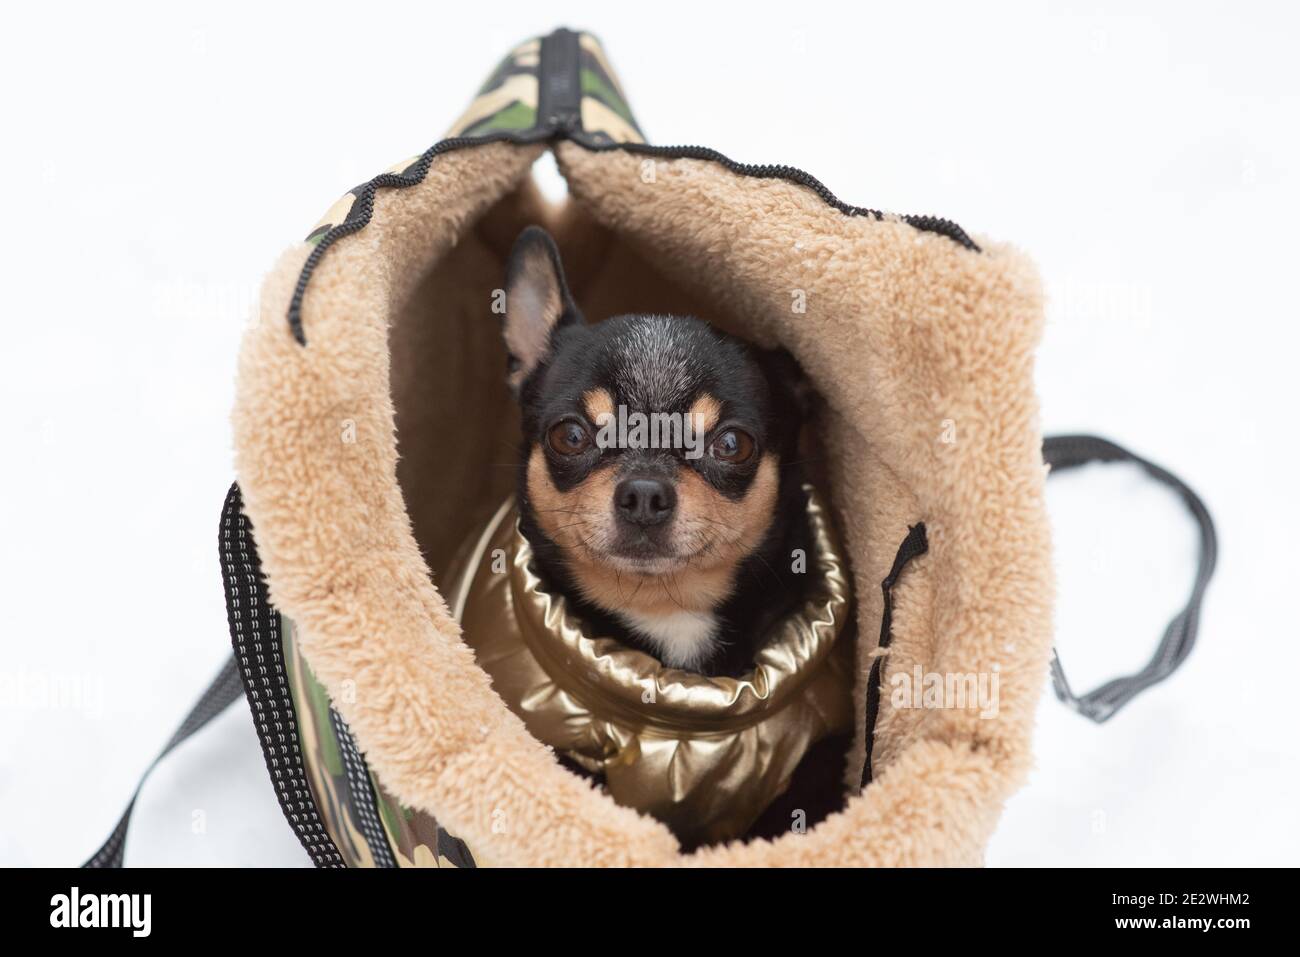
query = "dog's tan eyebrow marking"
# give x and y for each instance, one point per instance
(597, 402)
(705, 412)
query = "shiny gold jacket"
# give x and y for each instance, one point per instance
(704, 755)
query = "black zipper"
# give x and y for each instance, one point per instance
(559, 87)
(929, 224)
(364, 207)
(916, 543)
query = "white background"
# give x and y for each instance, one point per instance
(157, 159)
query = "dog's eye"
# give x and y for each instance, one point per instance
(732, 446)
(568, 438)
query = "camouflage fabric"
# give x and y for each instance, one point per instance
(506, 107)
(508, 100)
(369, 826)
(606, 116)
(346, 210)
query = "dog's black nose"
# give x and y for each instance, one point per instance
(644, 501)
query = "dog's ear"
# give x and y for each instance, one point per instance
(537, 303)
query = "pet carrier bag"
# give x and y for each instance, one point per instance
(373, 430)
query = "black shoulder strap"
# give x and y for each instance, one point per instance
(224, 690)
(1063, 452)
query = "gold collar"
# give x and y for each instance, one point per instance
(704, 755)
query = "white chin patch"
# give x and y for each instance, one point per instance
(683, 639)
(645, 566)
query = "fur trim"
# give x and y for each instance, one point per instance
(911, 339)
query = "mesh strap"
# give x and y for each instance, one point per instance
(1064, 452)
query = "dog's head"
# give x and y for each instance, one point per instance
(653, 444)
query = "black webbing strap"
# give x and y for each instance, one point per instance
(1063, 452)
(259, 654)
(224, 690)
(361, 793)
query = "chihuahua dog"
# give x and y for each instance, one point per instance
(660, 489)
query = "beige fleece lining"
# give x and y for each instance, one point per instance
(921, 349)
